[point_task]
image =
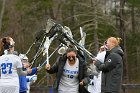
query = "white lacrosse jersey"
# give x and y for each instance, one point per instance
(69, 82)
(31, 79)
(9, 80)
(101, 56)
(96, 87)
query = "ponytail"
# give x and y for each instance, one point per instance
(119, 40)
(115, 40)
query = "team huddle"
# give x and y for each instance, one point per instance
(104, 74)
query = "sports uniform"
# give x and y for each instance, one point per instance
(9, 81)
(95, 81)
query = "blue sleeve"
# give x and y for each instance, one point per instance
(34, 71)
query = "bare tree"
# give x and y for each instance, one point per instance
(2, 13)
(95, 24)
(123, 36)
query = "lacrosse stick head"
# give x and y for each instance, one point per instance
(83, 37)
(67, 30)
(40, 34)
(49, 25)
(62, 50)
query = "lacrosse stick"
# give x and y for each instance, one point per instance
(51, 55)
(83, 37)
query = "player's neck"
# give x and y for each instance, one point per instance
(71, 63)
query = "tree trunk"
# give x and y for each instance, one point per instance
(51, 13)
(123, 44)
(116, 17)
(133, 18)
(95, 23)
(2, 13)
(72, 23)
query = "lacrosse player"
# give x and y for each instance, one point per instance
(10, 67)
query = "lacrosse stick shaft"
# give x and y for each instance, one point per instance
(77, 45)
(35, 57)
(51, 55)
(30, 47)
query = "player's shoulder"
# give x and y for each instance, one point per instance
(14, 57)
(2, 56)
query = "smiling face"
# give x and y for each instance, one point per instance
(71, 56)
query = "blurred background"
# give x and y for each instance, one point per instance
(100, 19)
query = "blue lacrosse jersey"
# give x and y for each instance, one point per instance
(23, 80)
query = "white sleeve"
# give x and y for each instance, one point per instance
(101, 56)
(19, 63)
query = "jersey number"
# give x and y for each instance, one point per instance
(6, 68)
(70, 76)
